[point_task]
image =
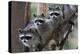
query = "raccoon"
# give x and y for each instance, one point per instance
(39, 30)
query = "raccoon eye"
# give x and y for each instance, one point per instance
(57, 14)
(26, 37)
(51, 14)
(48, 17)
(39, 21)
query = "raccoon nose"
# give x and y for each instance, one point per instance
(24, 40)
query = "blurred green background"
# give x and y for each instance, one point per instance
(33, 9)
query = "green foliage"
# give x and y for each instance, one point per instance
(33, 9)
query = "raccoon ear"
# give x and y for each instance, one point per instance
(20, 30)
(42, 15)
(34, 15)
(57, 7)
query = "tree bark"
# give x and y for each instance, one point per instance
(27, 13)
(20, 13)
(42, 8)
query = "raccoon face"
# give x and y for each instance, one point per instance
(29, 38)
(55, 14)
